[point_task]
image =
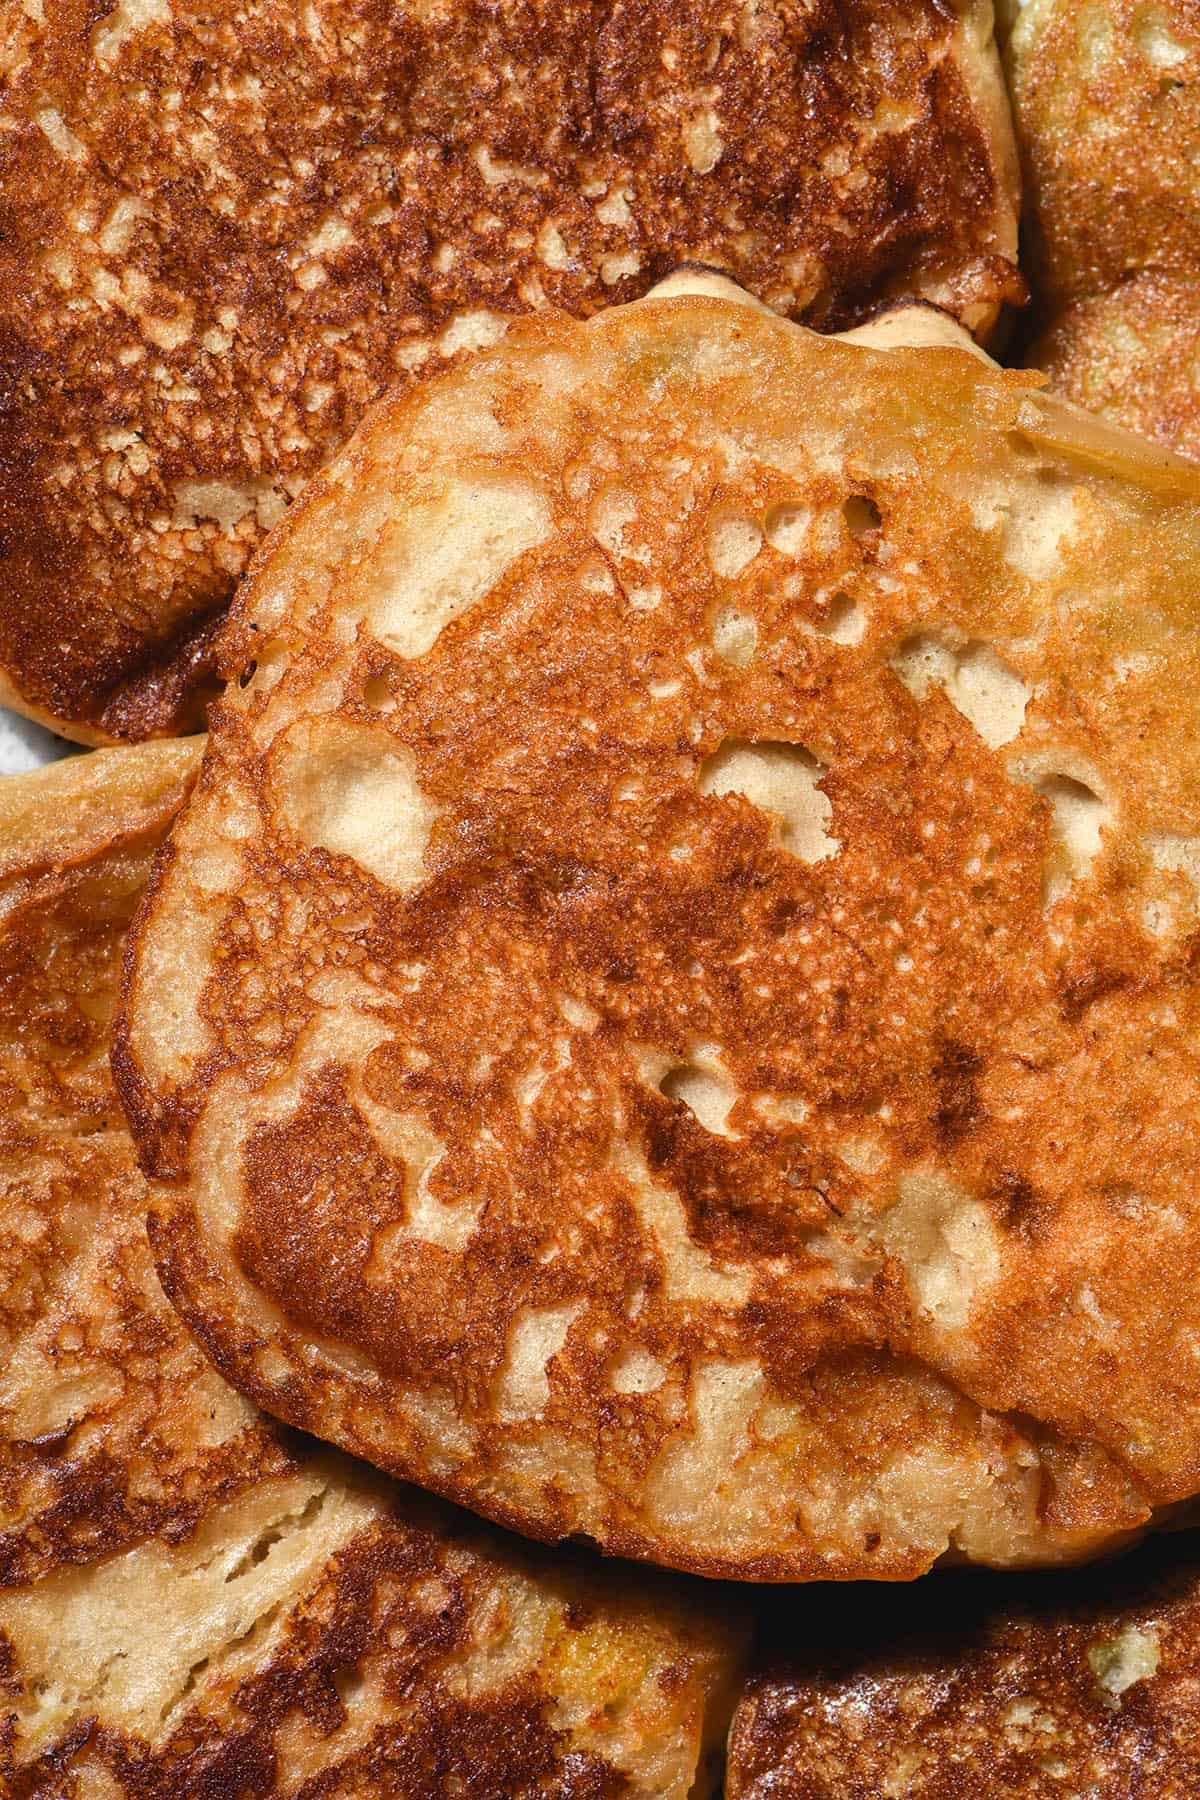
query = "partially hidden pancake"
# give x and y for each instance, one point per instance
(226, 228)
(1107, 101)
(672, 1011)
(1132, 355)
(192, 1602)
(1064, 1685)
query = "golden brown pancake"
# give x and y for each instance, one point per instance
(1106, 100)
(672, 1012)
(1080, 1684)
(1133, 355)
(225, 229)
(191, 1601)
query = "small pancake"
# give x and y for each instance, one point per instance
(1070, 1685)
(672, 1011)
(226, 228)
(1133, 355)
(1106, 101)
(191, 1601)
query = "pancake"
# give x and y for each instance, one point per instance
(1133, 355)
(1106, 101)
(191, 1600)
(671, 1013)
(1078, 1684)
(227, 228)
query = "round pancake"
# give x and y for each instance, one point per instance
(1106, 104)
(1133, 355)
(1079, 1684)
(228, 227)
(191, 1601)
(671, 1014)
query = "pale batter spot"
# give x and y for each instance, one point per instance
(782, 1109)
(734, 636)
(1117, 1663)
(688, 1481)
(353, 790)
(989, 695)
(441, 557)
(1079, 819)
(404, 1137)
(704, 1086)
(865, 1155)
(702, 142)
(614, 208)
(577, 1013)
(227, 503)
(332, 234)
(123, 21)
(1039, 516)
(477, 330)
(55, 127)
(247, 1561)
(615, 268)
(497, 173)
(635, 1371)
(788, 527)
(780, 779)
(1153, 36)
(689, 1272)
(732, 546)
(536, 1337)
(173, 968)
(40, 1397)
(946, 1242)
(551, 248)
(117, 229)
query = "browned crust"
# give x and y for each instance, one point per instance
(210, 153)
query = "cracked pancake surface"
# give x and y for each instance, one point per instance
(192, 1601)
(1071, 1683)
(671, 1014)
(225, 229)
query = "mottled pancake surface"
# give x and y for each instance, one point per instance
(191, 1602)
(1133, 356)
(672, 1012)
(1107, 101)
(226, 228)
(1078, 1684)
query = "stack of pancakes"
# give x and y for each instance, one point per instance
(651, 1056)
